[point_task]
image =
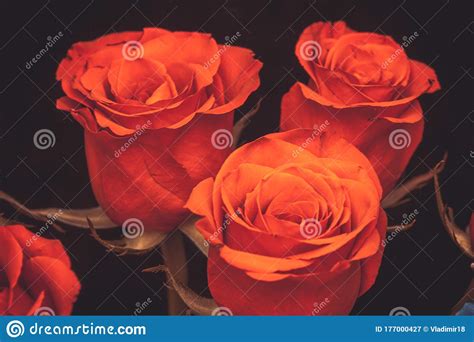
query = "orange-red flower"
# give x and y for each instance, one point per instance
(35, 275)
(294, 225)
(151, 103)
(367, 88)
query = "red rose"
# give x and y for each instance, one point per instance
(155, 105)
(294, 225)
(367, 88)
(35, 275)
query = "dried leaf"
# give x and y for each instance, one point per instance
(398, 196)
(188, 228)
(78, 217)
(243, 122)
(73, 217)
(27, 212)
(458, 235)
(141, 244)
(200, 305)
(401, 228)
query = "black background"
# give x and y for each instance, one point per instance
(422, 270)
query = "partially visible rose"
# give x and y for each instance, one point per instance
(365, 85)
(35, 274)
(294, 226)
(471, 230)
(150, 103)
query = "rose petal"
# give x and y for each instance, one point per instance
(11, 258)
(183, 47)
(259, 263)
(238, 73)
(60, 284)
(34, 245)
(295, 295)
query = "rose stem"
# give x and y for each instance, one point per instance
(174, 256)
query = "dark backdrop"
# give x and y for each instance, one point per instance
(422, 270)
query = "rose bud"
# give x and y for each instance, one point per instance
(367, 88)
(294, 226)
(157, 108)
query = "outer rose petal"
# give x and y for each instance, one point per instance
(239, 76)
(24, 304)
(20, 303)
(11, 258)
(37, 304)
(423, 79)
(59, 283)
(368, 128)
(296, 295)
(82, 114)
(34, 245)
(153, 176)
(370, 266)
(200, 200)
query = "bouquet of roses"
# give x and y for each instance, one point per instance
(292, 223)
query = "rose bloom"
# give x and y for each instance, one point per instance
(294, 226)
(367, 88)
(35, 275)
(154, 105)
